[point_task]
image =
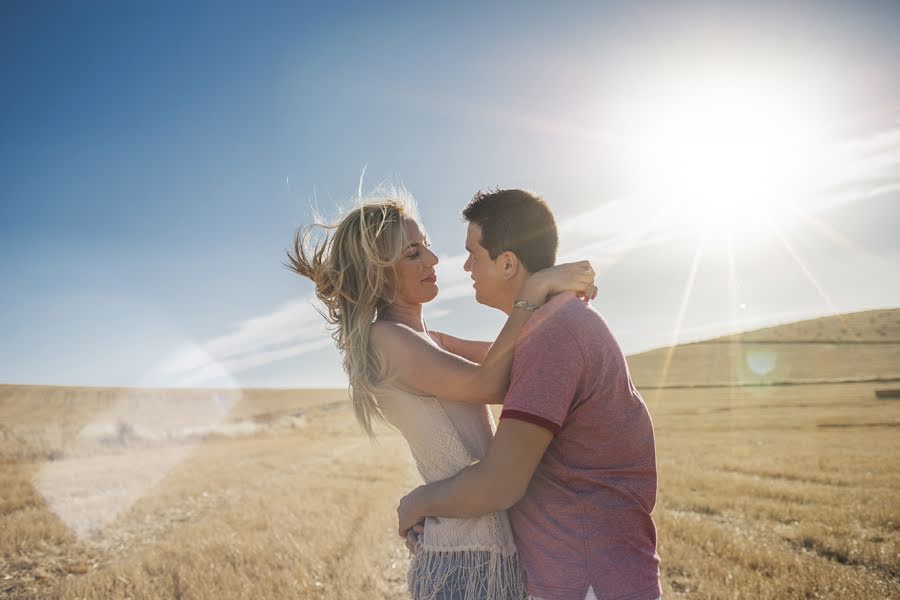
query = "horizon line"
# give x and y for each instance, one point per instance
(717, 338)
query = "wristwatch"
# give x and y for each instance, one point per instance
(525, 305)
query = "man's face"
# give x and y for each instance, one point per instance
(489, 283)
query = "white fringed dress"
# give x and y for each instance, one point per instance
(475, 557)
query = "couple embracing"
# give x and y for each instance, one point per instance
(554, 502)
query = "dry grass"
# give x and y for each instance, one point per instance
(770, 488)
(304, 511)
(759, 499)
(765, 492)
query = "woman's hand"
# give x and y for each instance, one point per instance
(575, 277)
(414, 538)
(408, 512)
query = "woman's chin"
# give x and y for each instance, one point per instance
(432, 294)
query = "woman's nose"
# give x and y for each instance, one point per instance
(434, 259)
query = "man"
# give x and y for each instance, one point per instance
(574, 457)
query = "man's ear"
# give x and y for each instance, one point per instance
(508, 263)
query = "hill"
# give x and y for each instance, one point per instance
(853, 347)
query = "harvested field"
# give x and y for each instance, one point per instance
(277, 511)
(765, 491)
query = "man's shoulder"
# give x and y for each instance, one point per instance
(566, 313)
(561, 324)
(570, 320)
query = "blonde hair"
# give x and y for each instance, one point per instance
(349, 269)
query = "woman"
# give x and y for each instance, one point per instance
(373, 272)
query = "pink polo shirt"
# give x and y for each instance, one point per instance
(585, 519)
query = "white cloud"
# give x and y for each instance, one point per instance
(852, 170)
(290, 330)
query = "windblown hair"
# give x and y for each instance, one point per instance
(515, 221)
(349, 269)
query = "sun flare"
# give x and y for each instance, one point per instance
(724, 155)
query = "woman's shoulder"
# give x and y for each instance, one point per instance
(389, 336)
(383, 332)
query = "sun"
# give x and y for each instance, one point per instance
(724, 155)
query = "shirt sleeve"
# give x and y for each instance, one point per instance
(547, 368)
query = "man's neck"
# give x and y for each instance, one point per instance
(407, 314)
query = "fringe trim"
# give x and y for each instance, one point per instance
(471, 574)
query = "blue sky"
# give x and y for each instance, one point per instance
(157, 158)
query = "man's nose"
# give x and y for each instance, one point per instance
(466, 265)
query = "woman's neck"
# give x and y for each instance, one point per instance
(407, 314)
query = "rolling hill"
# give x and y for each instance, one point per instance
(853, 347)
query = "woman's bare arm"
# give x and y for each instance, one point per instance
(427, 369)
(473, 350)
(422, 366)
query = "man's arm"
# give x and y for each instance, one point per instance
(495, 483)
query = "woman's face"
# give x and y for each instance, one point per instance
(413, 279)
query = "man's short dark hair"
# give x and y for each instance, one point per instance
(516, 221)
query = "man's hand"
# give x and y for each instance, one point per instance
(408, 512)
